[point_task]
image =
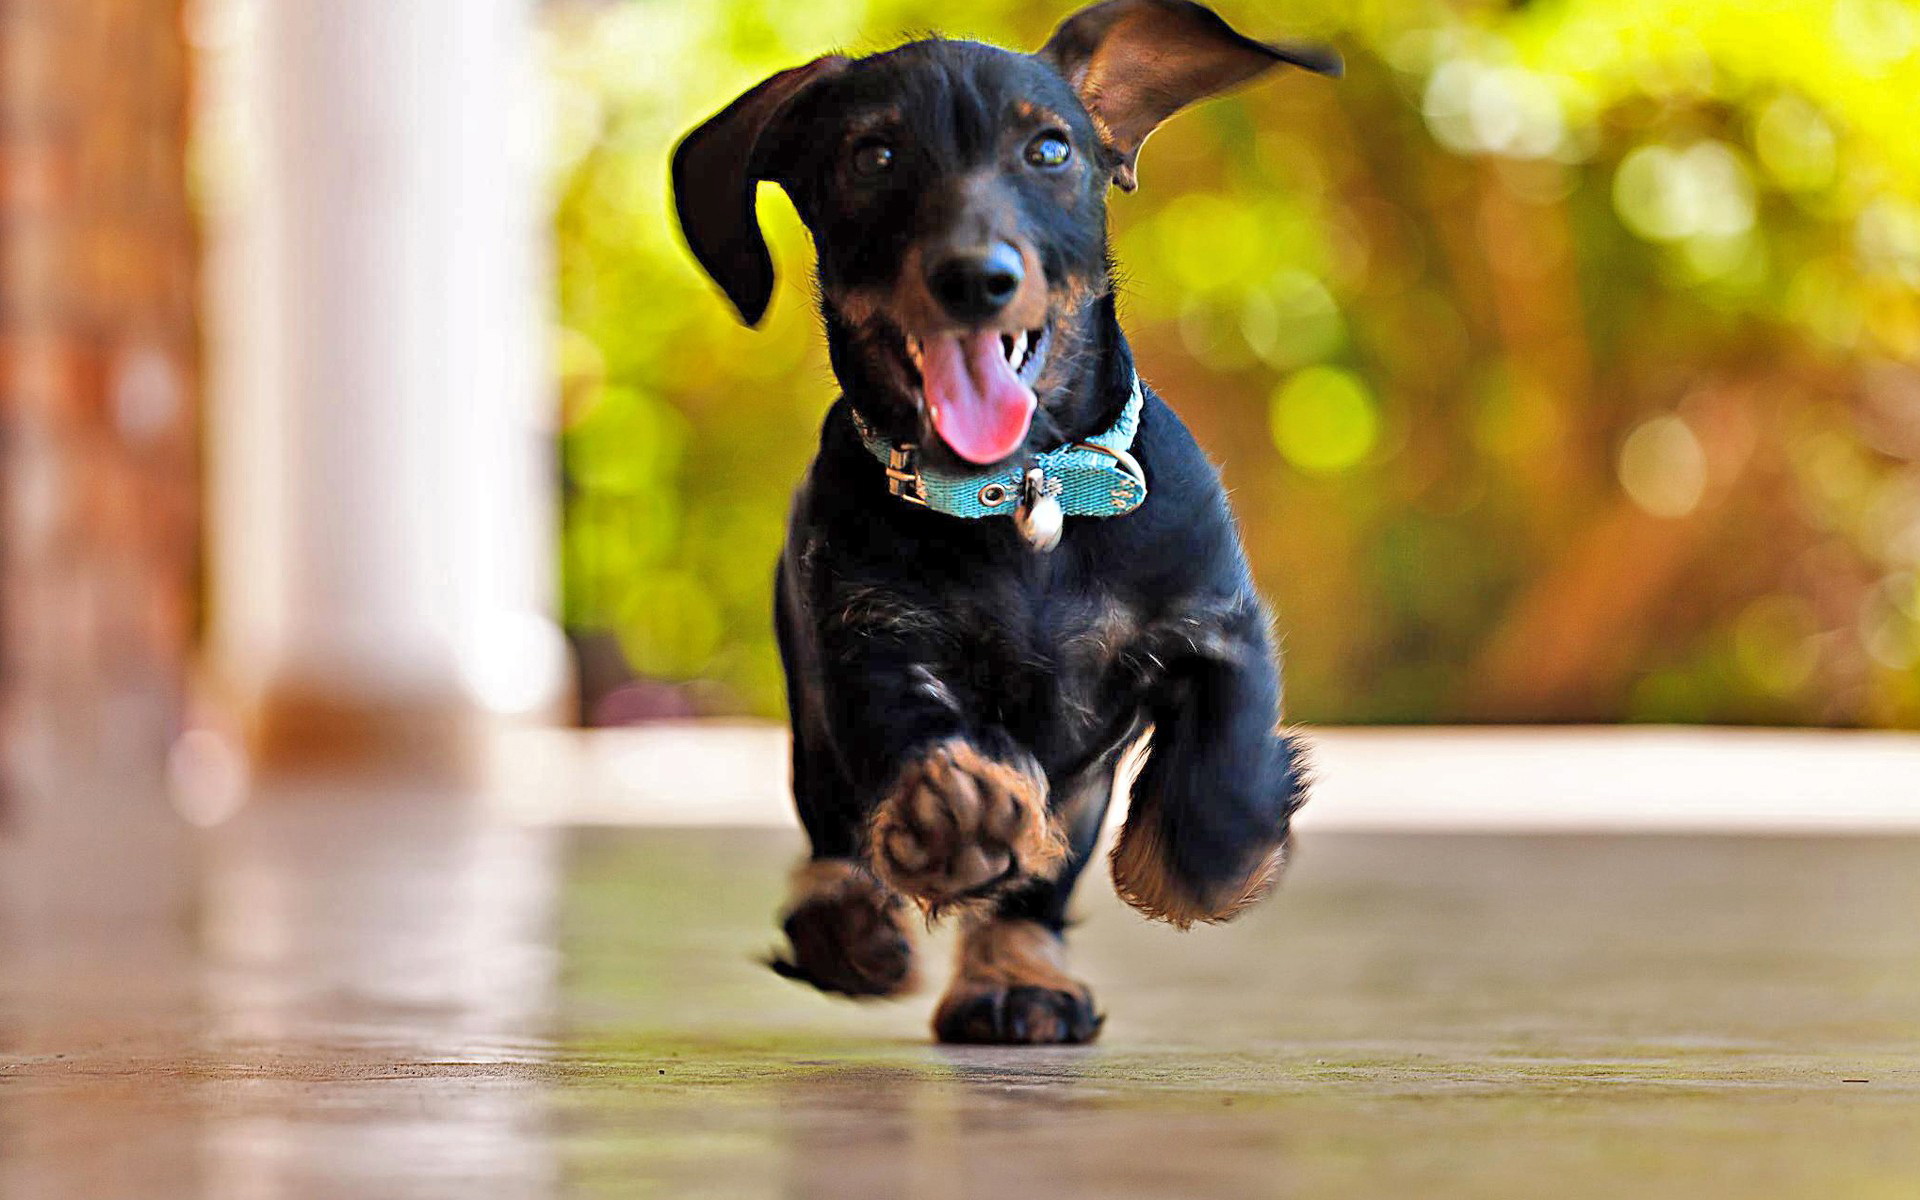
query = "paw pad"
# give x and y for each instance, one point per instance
(958, 824)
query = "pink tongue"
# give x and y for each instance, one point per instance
(979, 407)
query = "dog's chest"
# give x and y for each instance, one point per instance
(1051, 665)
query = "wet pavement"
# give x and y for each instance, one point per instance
(365, 995)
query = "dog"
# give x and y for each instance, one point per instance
(1009, 560)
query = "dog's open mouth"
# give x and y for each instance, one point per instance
(978, 388)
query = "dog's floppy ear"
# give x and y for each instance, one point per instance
(715, 170)
(1137, 62)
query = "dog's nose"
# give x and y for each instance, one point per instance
(976, 284)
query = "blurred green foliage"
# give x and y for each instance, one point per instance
(1560, 358)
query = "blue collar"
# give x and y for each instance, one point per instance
(1097, 477)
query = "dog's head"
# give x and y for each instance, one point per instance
(956, 194)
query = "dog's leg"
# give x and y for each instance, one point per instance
(1010, 984)
(948, 805)
(964, 816)
(1010, 987)
(1207, 827)
(849, 934)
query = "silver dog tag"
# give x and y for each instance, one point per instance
(1039, 518)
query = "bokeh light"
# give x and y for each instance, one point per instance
(1663, 468)
(1323, 420)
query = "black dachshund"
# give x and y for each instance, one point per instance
(1009, 559)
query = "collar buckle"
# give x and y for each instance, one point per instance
(903, 474)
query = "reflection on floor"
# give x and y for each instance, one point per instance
(375, 997)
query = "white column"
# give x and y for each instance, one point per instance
(384, 508)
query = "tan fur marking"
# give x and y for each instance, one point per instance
(998, 955)
(824, 879)
(1140, 878)
(1005, 953)
(956, 821)
(1077, 291)
(859, 307)
(911, 306)
(869, 914)
(1031, 304)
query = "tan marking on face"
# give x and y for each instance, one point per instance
(877, 120)
(1077, 291)
(1030, 305)
(858, 307)
(911, 306)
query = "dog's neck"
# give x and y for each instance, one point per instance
(1087, 398)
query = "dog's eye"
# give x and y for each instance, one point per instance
(872, 158)
(1049, 149)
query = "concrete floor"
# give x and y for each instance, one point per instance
(363, 998)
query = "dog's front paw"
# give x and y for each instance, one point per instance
(847, 932)
(1009, 989)
(957, 824)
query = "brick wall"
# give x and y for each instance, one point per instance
(98, 383)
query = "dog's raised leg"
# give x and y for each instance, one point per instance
(1207, 826)
(903, 794)
(964, 816)
(958, 823)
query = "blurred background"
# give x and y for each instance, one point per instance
(362, 402)
(1560, 358)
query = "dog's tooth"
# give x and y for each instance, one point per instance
(1018, 354)
(1029, 346)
